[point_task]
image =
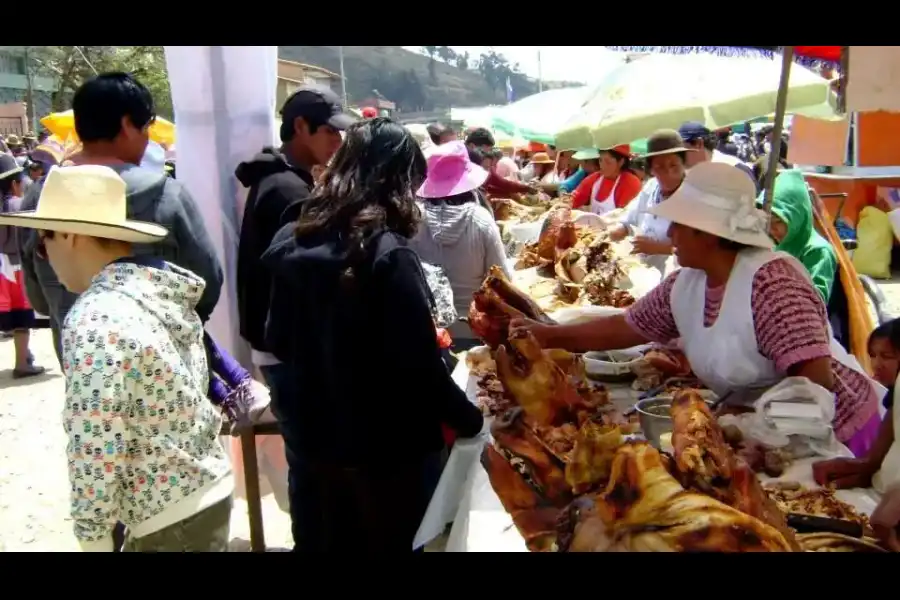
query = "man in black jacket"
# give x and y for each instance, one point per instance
(280, 181)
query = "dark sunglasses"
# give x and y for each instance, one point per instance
(41, 250)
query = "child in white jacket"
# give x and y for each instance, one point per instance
(143, 436)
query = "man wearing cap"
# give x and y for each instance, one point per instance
(698, 137)
(666, 158)
(280, 180)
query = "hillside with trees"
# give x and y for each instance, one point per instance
(437, 78)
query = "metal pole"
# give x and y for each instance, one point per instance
(29, 93)
(540, 74)
(787, 57)
(343, 77)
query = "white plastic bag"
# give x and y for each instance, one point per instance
(797, 406)
(578, 314)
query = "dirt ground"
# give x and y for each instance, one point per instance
(34, 484)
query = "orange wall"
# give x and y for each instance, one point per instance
(862, 193)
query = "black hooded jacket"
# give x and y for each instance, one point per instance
(375, 389)
(275, 186)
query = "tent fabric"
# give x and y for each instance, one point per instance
(805, 55)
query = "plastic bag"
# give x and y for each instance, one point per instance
(876, 240)
(802, 397)
(579, 314)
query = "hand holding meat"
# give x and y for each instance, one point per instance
(645, 245)
(844, 473)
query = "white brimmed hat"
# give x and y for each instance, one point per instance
(719, 199)
(85, 200)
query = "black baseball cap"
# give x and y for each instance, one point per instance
(318, 105)
(693, 130)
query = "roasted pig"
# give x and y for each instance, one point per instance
(536, 382)
(557, 233)
(645, 509)
(495, 304)
(530, 457)
(534, 517)
(591, 460)
(705, 462)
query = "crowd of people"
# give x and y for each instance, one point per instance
(340, 225)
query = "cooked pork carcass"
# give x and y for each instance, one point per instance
(542, 470)
(706, 462)
(536, 382)
(670, 362)
(557, 232)
(495, 304)
(645, 509)
(591, 459)
(533, 516)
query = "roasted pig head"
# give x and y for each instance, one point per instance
(668, 361)
(535, 381)
(542, 471)
(495, 304)
(645, 509)
(557, 232)
(533, 516)
(706, 462)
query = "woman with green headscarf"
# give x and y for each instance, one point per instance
(792, 228)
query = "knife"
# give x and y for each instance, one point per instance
(804, 523)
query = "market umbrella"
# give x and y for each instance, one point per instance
(537, 118)
(62, 125)
(657, 91)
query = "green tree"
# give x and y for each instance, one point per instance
(462, 61)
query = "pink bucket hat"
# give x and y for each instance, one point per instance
(450, 172)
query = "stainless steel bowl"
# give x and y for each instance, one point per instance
(654, 415)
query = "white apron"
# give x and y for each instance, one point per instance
(725, 357)
(889, 475)
(601, 207)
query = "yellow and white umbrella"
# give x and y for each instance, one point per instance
(62, 125)
(660, 91)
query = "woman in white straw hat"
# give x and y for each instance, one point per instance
(143, 436)
(746, 316)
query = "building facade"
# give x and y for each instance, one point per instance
(292, 75)
(14, 90)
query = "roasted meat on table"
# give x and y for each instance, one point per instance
(495, 304)
(533, 516)
(645, 509)
(536, 382)
(590, 462)
(530, 456)
(705, 462)
(557, 233)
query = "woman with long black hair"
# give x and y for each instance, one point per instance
(351, 314)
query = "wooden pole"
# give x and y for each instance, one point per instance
(787, 58)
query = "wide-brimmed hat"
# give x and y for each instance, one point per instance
(586, 154)
(8, 166)
(542, 158)
(623, 149)
(450, 172)
(13, 140)
(85, 200)
(719, 199)
(49, 154)
(665, 141)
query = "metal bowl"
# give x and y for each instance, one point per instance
(654, 415)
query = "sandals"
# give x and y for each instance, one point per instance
(31, 370)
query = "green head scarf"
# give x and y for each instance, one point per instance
(792, 204)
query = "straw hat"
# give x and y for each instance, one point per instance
(542, 158)
(85, 200)
(13, 140)
(665, 141)
(719, 199)
(450, 172)
(8, 166)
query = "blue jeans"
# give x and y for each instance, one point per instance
(281, 385)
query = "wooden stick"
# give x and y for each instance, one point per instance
(787, 57)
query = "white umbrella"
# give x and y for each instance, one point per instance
(539, 117)
(663, 91)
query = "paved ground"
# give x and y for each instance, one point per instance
(33, 480)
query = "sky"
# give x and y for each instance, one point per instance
(558, 63)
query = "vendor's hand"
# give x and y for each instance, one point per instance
(843, 473)
(645, 245)
(886, 519)
(540, 331)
